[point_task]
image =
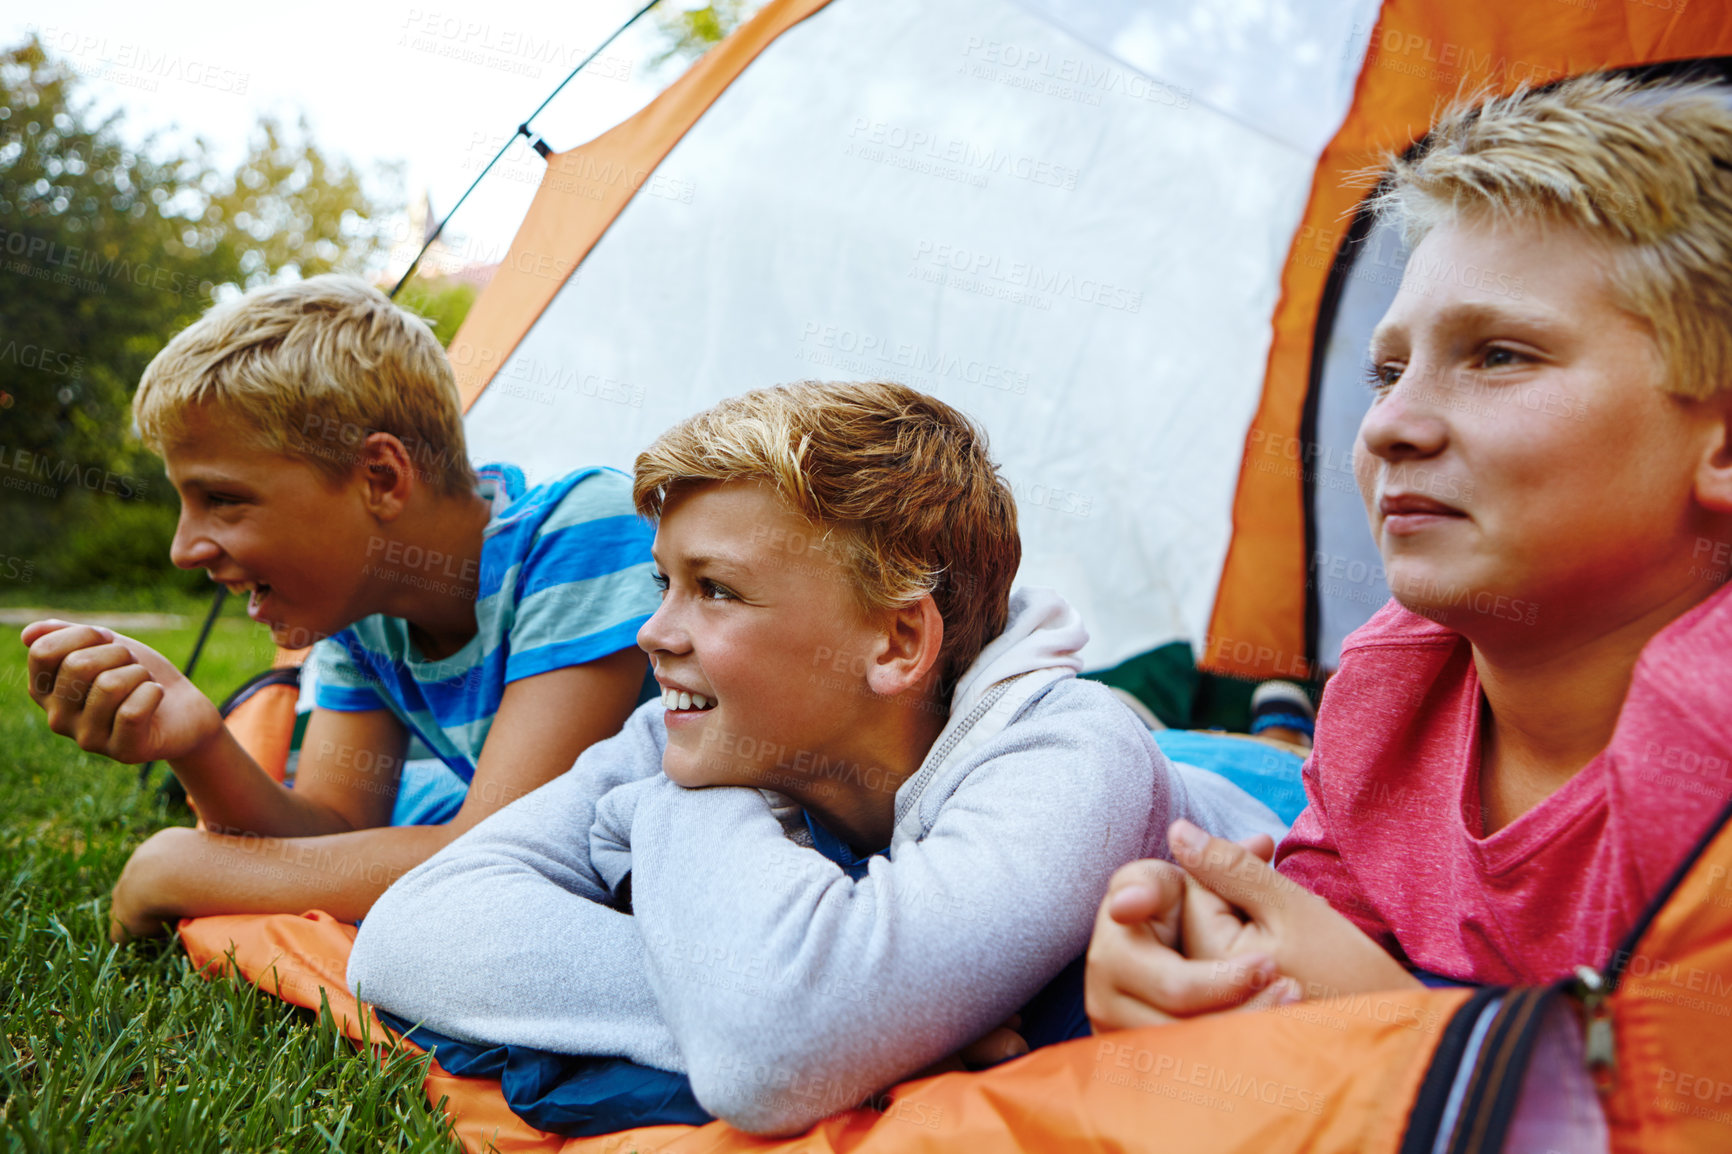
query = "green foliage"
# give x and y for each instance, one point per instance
(127, 1048)
(692, 31)
(106, 251)
(288, 208)
(118, 543)
(442, 303)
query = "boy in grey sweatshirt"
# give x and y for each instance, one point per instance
(870, 817)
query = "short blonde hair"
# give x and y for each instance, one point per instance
(902, 480)
(311, 368)
(1645, 168)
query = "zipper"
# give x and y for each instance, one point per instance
(1494, 1085)
(1593, 988)
(1487, 1082)
(1592, 991)
(917, 784)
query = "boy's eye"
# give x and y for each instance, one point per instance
(1380, 377)
(220, 499)
(710, 589)
(1497, 357)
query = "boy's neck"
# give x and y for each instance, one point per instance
(428, 571)
(1550, 708)
(861, 808)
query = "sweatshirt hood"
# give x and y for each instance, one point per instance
(1043, 632)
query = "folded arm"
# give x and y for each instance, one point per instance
(794, 991)
(506, 936)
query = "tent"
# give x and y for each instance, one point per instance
(1122, 235)
(1127, 237)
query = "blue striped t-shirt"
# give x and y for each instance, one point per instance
(565, 578)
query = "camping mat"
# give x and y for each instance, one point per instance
(1336, 1075)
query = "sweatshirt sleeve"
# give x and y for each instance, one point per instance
(794, 991)
(505, 936)
(1309, 856)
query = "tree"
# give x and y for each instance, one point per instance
(692, 31)
(442, 302)
(106, 251)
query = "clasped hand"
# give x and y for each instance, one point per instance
(1218, 928)
(115, 696)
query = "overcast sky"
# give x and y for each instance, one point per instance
(435, 86)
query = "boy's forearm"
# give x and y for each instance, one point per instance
(234, 794)
(192, 873)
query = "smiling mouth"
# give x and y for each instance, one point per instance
(679, 700)
(256, 592)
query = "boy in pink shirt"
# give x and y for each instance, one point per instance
(1523, 746)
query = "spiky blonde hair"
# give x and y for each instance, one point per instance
(309, 369)
(1644, 168)
(901, 481)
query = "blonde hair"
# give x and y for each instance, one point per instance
(1645, 168)
(310, 369)
(901, 480)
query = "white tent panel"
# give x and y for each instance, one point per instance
(1285, 67)
(1088, 271)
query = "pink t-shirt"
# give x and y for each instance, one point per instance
(1392, 834)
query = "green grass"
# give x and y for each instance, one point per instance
(106, 1048)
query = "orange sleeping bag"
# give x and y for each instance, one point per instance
(1323, 1076)
(1361, 1074)
(1372, 1073)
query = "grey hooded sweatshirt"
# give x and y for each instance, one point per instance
(784, 989)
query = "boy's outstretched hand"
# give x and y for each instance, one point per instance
(115, 696)
(1223, 931)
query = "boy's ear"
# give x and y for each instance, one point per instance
(1714, 472)
(388, 474)
(908, 652)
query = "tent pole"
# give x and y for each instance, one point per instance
(522, 130)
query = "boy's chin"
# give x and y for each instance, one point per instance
(289, 635)
(681, 773)
(696, 772)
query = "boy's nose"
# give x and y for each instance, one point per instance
(190, 548)
(662, 633)
(1407, 420)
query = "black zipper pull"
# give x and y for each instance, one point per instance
(1599, 1049)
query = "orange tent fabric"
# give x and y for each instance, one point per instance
(1422, 54)
(585, 188)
